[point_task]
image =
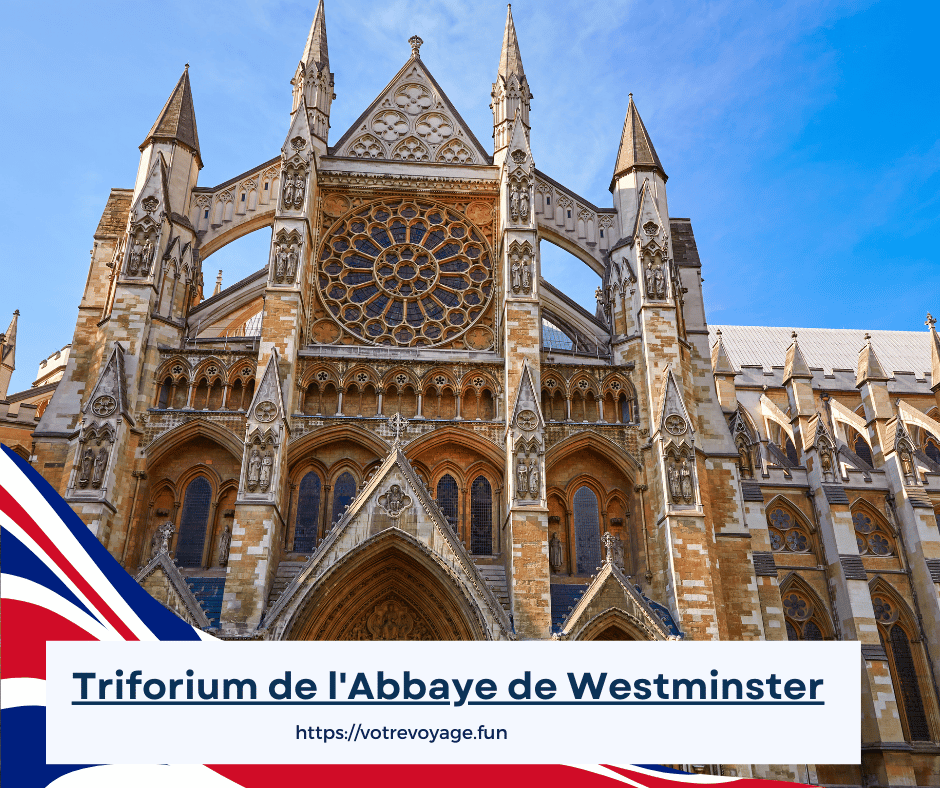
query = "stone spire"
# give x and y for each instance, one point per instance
(795, 365)
(510, 59)
(8, 355)
(721, 363)
(316, 53)
(313, 81)
(177, 120)
(636, 147)
(510, 90)
(218, 284)
(869, 365)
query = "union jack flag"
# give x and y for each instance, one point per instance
(59, 583)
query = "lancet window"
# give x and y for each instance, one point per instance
(344, 490)
(447, 499)
(872, 535)
(787, 534)
(194, 521)
(481, 517)
(802, 619)
(308, 514)
(587, 530)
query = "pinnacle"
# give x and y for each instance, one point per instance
(510, 59)
(177, 119)
(934, 352)
(316, 52)
(8, 343)
(721, 363)
(869, 365)
(636, 147)
(795, 366)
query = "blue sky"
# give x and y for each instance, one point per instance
(800, 137)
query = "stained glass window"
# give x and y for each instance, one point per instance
(871, 536)
(193, 522)
(790, 451)
(932, 448)
(447, 499)
(587, 531)
(862, 449)
(481, 517)
(308, 514)
(343, 492)
(553, 338)
(786, 534)
(910, 686)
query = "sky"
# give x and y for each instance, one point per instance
(800, 137)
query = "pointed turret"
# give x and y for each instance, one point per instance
(721, 363)
(869, 365)
(8, 355)
(316, 53)
(795, 365)
(636, 147)
(218, 284)
(177, 120)
(313, 80)
(510, 90)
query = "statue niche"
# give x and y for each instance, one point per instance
(94, 452)
(520, 267)
(679, 478)
(260, 467)
(520, 202)
(286, 257)
(293, 187)
(141, 249)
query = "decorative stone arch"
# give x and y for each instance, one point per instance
(202, 368)
(464, 437)
(172, 439)
(870, 536)
(307, 444)
(614, 618)
(339, 603)
(820, 610)
(598, 444)
(165, 370)
(350, 378)
(779, 534)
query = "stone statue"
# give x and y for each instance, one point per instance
(617, 550)
(265, 479)
(292, 258)
(522, 479)
(133, 262)
(300, 188)
(254, 469)
(394, 500)
(160, 541)
(526, 274)
(685, 481)
(534, 485)
(225, 545)
(514, 202)
(288, 191)
(101, 462)
(825, 461)
(556, 553)
(280, 263)
(516, 272)
(523, 203)
(744, 463)
(85, 475)
(907, 463)
(673, 474)
(660, 282)
(146, 258)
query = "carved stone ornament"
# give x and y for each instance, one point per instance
(556, 552)
(520, 268)
(518, 156)
(651, 228)
(675, 424)
(225, 546)
(286, 258)
(527, 420)
(519, 201)
(258, 474)
(394, 502)
(150, 204)
(907, 463)
(294, 187)
(104, 405)
(679, 475)
(655, 280)
(160, 541)
(298, 143)
(390, 621)
(265, 411)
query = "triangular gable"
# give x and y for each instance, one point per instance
(611, 591)
(299, 131)
(869, 365)
(526, 402)
(268, 391)
(153, 201)
(520, 154)
(721, 363)
(109, 396)
(163, 581)
(671, 406)
(412, 120)
(649, 226)
(795, 365)
(394, 498)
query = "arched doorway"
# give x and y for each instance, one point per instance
(386, 589)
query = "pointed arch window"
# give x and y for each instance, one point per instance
(308, 514)
(787, 535)
(903, 663)
(194, 521)
(447, 499)
(790, 450)
(872, 536)
(862, 449)
(801, 617)
(481, 517)
(587, 530)
(344, 490)
(932, 447)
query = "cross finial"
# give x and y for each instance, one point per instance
(416, 43)
(931, 321)
(399, 424)
(793, 335)
(868, 337)
(608, 541)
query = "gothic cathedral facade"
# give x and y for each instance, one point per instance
(398, 429)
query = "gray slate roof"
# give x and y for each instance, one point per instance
(824, 348)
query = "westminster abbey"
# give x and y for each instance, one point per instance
(398, 429)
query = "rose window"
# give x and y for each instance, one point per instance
(405, 273)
